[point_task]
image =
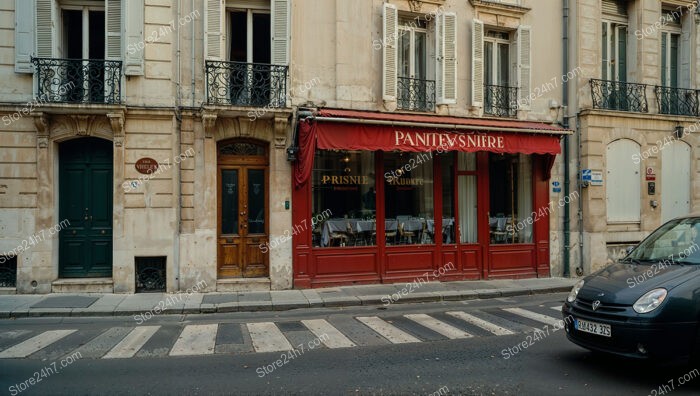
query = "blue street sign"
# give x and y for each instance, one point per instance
(555, 183)
(586, 174)
(556, 189)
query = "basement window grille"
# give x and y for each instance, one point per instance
(8, 271)
(150, 274)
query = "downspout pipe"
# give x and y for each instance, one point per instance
(565, 104)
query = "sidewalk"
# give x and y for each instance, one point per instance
(15, 306)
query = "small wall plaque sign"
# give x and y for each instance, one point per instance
(146, 165)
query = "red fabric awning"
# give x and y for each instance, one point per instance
(357, 130)
(340, 136)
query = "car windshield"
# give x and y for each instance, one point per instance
(677, 241)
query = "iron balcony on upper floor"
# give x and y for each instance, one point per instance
(500, 100)
(631, 97)
(94, 81)
(415, 94)
(246, 84)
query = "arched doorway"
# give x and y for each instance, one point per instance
(85, 200)
(243, 225)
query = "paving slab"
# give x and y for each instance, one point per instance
(255, 305)
(312, 297)
(340, 301)
(68, 301)
(254, 297)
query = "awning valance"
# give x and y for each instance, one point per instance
(340, 136)
(374, 132)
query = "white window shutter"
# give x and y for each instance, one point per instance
(24, 35)
(446, 66)
(524, 61)
(44, 28)
(213, 23)
(685, 44)
(134, 23)
(477, 63)
(113, 21)
(280, 32)
(390, 48)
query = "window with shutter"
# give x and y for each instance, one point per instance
(447, 58)
(390, 52)
(134, 24)
(213, 21)
(24, 35)
(477, 63)
(524, 69)
(280, 32)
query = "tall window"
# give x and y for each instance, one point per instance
(670, 48)
(614, 40)
(466, 193)
(408, 192)
(412, 86)
(250, 46)
(83, 38)
(343, 198)
(510, 205)
(500, 85)
(497, 61)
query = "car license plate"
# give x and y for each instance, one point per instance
(593, 328)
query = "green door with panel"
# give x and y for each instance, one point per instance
(85, 200)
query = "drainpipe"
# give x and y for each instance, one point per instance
(565, 104)
(178, 117)
(192, 45)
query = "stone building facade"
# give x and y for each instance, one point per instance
(635, 108)
(162, 129)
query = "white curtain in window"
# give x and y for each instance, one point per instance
(524, 197)
(466, 186)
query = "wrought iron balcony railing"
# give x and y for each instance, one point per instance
(246, 84)
(415, 94)
(618, 95)
(677, 101)
(78, 80)
(501, 101)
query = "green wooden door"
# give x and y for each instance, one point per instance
(85, 200)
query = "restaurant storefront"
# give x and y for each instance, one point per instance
(403, 195)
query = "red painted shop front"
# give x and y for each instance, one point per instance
(383, 198)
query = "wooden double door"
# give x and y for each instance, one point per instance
(242, 243)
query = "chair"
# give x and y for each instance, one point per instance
(339, 236)
(405, 236)
(425, 237)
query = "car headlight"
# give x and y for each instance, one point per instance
(574, 291)
(650, 301)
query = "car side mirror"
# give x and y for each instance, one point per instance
(629, 250)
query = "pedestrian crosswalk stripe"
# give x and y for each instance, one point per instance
(533, 315)
(101, 344)
(329, 335)
(557, 308)
(196, 340)
(386, 330)
(131, 344)
(267, 337)
(438, 326)
(488, 326)
(34, 344)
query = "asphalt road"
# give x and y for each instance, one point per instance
(437, 365)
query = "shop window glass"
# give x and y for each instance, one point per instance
(466, 192)
(510, 179)
(409, 207)
(447, 163)
(343, 198)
